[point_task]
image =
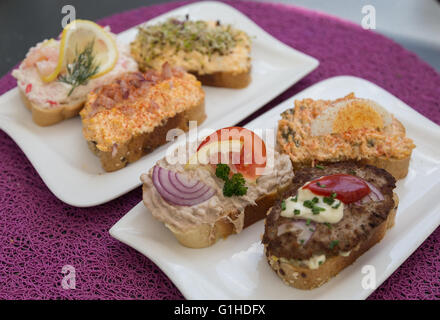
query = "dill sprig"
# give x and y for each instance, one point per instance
(81, 69)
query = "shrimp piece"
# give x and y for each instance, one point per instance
(48, 51)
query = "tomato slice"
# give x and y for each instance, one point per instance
(252, 158)
(348, 188)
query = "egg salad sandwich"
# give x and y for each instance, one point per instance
(349, 128)
(131, 116)
(329, 217)
(228, 183)
(56, 75)
(218, 54)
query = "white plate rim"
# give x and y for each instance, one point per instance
(105, 190)
(417, 239)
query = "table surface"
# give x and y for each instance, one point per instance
(40, 234)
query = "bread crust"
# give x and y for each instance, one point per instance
(48, 116)
(306, 279)
(145, 143)
(225, 79)
(206, 235)
(397, 167)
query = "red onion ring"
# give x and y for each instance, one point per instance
(374, 195)
(172, 176)
(300, 225)
(181, 196)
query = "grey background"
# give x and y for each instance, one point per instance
(413, 23)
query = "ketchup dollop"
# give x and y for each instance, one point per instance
(348, 188)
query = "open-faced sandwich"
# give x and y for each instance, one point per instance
(57, 75)
(329, 217)
(218, 54)
(131, 116)
(349, 128)
(228, 184)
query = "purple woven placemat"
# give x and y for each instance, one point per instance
(39, 234)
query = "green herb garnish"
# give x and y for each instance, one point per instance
(233, 186)
(317, 210)
(301, 241)
(81, 69)
(296, 212)
(283, 205)
(222, 171)
(320, 166)
(334, 195)
(328, 225)
(336, 206)
(334, 243)
(308, 204)
(328, 200)
(188, 36)
(294, 199)
(308, 222)
(321, 185)
(315, 200)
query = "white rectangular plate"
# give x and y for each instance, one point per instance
(236, 268)
(60, 155)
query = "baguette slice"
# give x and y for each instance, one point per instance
(48, 116)
(142, 144)
(308, 133)
(201, 224)
(219, 55)
(306, 279)
(206, 235)
(131, 117)
(363, 225)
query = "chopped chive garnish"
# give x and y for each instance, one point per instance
(336, 206)
(308, 222)
(296, 212)
(329, 200)
(321, 185)
(308, 204)
(334, 195)
(334, 243)
(311, 229)
(316, 210)
(294, 199)
(315, 200)
(283, 205)
(320, 166)
(301, 241)
(328, 225)
(321, 262)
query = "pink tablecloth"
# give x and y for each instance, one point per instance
(39, 234)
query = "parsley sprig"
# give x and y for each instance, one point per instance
(234, 186)
(81, 69)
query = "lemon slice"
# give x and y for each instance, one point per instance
(203, 155)
(75, 37)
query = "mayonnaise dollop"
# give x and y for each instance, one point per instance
(299, 207)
